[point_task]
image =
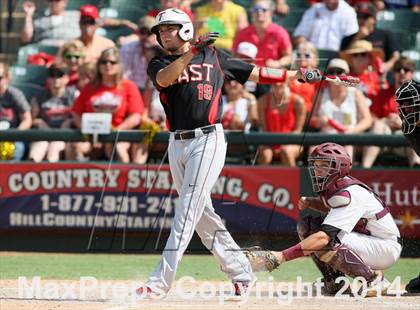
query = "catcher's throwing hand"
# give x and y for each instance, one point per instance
(310, 76)
(203, 41)
(261, 260)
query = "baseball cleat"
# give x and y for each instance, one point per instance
(243, 288)
(379, 286)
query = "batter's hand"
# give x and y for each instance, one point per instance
(310, 76)
(260, 259)
(203, 41)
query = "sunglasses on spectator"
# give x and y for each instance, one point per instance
(56, 75)
(54, 0)
(405, 69)
(88, 21)
(105, 62)
(335, 71)
(259, 9)
(364, 54)
(303, 55)
(70, 56)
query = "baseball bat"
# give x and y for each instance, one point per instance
(346, 80)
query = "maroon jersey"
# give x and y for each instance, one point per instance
(195, 100)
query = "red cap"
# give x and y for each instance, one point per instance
(89, 10)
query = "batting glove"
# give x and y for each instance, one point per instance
(203, 41)
(310, 76)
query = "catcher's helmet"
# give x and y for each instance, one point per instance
(408, 99)
(339, 165)
(174, 17)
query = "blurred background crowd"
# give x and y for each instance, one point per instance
(91, 56)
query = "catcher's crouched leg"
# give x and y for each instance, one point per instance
(310, 225)
(345, 260)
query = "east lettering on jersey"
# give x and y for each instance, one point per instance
(194, 100)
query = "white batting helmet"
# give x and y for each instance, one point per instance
(174, 17)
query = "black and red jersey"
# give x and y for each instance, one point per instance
(195, 99)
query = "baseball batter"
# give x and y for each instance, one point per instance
(408, 99)
(356, 237)
(190, 80)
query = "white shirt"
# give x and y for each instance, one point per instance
(344, 114)
(325, 28)
(363, 204)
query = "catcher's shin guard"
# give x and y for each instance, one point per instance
(348, 262)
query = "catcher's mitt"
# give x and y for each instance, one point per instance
(260, 259)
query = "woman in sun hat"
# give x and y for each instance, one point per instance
(365, 63)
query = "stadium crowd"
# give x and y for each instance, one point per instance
(94, 70)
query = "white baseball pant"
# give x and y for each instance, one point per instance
(377, 253)
(195, 166)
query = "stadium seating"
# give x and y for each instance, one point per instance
(29, 89)
(31, 49)
(291, 20)
(29, 74)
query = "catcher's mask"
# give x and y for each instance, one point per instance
(328, 162)
(174, 17)
(408, 99)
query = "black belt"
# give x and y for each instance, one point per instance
(191, 134)
(400, 241)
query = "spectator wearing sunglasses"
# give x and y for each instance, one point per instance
(380, 38)
(272, 40)
(363, 58)
(94, 43)
(386, 120)
(306, 57)
(51, 110)
(109, 93)
(72, 56)
(54, 28)
(340, 109)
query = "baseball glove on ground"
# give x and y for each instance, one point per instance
(260, 259)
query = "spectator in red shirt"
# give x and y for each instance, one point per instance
(110, 93)
(306, 57)
(273, 41)
(362, 56)
(385, 113)
(281, 111)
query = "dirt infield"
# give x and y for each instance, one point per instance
(116, 295)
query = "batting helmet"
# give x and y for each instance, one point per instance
(408, 99)
(174, 17)
(339, 165)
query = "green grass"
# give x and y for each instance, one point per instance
(127, 267)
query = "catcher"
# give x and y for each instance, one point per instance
(356, 237)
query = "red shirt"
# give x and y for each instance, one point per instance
(279, 122)
(369, 83)
(305, 90)
(120, 101)
(276, 40)
(384, 103)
